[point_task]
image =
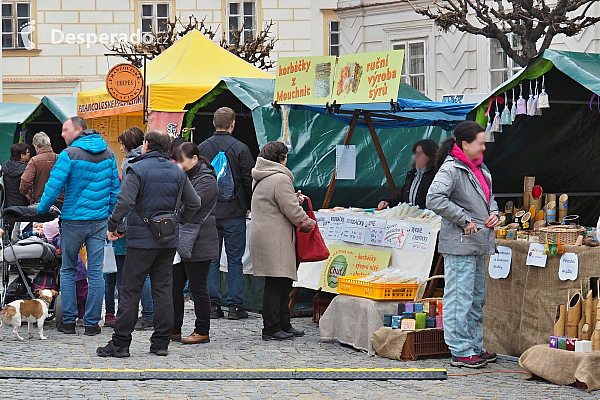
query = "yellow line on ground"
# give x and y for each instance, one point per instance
(227, 370)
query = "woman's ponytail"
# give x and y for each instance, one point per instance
(444, 151)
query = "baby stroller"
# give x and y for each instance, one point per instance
(30, 254)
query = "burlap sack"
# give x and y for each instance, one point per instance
(520, 310)
(389, 342)
(562, 367)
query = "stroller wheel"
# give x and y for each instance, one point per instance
(58, 310)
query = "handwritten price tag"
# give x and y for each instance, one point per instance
(355, 230)
(569, 267)
(499, 267)
(395, 234)
(418, 238)
(335, 227)
(375, 232)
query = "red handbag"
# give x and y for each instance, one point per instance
(310, 246)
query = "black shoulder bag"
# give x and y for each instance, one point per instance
(164, 225)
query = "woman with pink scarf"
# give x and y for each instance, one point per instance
(461, 193)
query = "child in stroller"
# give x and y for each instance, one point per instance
(52, 232)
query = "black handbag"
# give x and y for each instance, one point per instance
(164, 225)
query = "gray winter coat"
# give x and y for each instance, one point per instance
(456, 195)
(132, 154)
(204, 181)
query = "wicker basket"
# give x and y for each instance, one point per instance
(568, 234)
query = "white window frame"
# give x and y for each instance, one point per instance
(241, 17)
(154, 17)
(406, 74)
(512, 68)
(16, 29)
(329, 33)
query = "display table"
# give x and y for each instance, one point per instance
(562, 367)
(520, 309)
(415, 264)
(352, 320)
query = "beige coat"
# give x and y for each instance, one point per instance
(275, 216)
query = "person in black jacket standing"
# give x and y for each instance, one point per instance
(418, 179)
(11, 173)
(231, 215)
(198, 245)
(150, 187)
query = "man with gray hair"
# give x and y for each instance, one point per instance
(38, 170)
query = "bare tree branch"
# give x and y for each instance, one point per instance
(256, 50)
(530, 20)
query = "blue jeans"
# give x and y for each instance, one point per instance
(464, 298)
(147, 302)
(111, 281)
(233, 232)
(73, 235)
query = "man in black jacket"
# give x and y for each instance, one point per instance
(231, 215)
(150, 187)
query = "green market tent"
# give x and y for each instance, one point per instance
(559, 147)
(12, 116)
(23, 121)
(314, 136)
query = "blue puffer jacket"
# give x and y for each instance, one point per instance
(87, 172)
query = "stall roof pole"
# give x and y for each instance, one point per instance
(384, 164)
(347, 140)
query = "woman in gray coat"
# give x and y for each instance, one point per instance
(198, 245)
(461, 193)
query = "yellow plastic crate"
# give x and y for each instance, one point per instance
(376, 291)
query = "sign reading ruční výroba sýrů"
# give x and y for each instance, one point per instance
(349, 79)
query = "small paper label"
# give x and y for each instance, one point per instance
(418, 238)
(499, 267)
(569, 267)
(395, 234)
(535, 256)
(335, 227)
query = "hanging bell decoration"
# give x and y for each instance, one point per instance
(536, 101)
(513, 110)
(521, 103)
(506, 116)
(530, 108)
(497, 124)
(489, 132)
(543, 101)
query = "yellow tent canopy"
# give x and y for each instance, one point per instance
(185, 72)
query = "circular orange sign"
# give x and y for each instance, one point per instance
(124, 82)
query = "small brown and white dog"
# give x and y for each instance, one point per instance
(28, 310)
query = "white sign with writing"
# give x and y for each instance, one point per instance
(322, 222)
(345, 162)
(355, 230)
(375, 231)
(500, 263)
(395, 234)
(335, 227)
(569, 267)
(535, 256)
(418, 237)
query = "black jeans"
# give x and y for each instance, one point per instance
(138, 264)
(197, 273)
(275, 309)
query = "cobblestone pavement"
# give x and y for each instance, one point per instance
(237, 344)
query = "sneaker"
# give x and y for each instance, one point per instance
(159, 352)
(110, 350)
(109, 320)
(216, 312)
(67, 329)
(92, 330)
(489, 357)
(237, 312)
(144, 325)
(468, 362)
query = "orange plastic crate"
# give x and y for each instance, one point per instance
(376, 291)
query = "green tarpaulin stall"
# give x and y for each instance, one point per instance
(559, 147)
(12, 116)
